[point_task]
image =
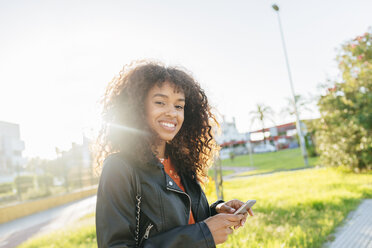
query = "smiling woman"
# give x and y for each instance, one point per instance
(156, 147)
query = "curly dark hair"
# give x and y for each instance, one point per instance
(125, 129)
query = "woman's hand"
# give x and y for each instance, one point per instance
(220, 226)
(230, 207)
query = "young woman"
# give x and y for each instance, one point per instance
(156, 146)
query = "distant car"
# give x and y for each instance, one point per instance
(293, 145)
(264, 148)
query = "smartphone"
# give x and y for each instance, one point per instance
(245, 207)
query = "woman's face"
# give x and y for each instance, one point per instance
(165, 110)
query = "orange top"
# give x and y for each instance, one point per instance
(169, 169)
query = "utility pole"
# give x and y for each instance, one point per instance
(298, 123)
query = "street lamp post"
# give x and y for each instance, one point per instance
(298, 124)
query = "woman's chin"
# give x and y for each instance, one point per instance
(167, 138)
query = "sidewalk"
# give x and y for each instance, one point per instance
(237, 171)
(15, 232)
(357, 231)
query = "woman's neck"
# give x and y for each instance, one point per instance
(159, 149)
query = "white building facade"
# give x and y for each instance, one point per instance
(230, 140)
(11, 148)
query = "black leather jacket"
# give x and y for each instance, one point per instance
(165, 208)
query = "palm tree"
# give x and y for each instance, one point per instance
(302, 105)
(262, 114)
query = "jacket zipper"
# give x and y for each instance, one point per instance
(146, 236)
(181, 192)
(188, 215)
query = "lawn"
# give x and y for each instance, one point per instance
(293, 209)
(271, 161)
(82, 237)
(297, 209)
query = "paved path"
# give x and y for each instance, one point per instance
(357, 231)
(18, 231)
(237, 173)
(237, 170)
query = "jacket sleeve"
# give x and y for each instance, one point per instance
(116, 201)
(116, 211)
(213, 207)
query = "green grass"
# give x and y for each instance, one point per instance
(293, 209)
(271, 161)
(296, 209)
(83, 237)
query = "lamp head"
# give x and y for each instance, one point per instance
(275, 7)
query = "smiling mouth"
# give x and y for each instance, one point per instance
(168, 125)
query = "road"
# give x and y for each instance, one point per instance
(18, 231)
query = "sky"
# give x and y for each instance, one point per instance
(56, 57)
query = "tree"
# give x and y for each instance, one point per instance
(344, 131)
(262, 114)
(302, 105)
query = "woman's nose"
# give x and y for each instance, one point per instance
(171, 111)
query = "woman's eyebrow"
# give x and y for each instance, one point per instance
(165, 96)
(160, 95)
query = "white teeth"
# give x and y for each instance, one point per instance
(168, 124)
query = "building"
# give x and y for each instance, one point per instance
(229, 134)
(11, 148)
(230, 140)
(281, 136)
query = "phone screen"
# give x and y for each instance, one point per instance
(245, 207)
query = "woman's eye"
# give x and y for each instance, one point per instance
(160, 103)
(179, 107)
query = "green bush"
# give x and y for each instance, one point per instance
(6, 188)
(344, 131)
(45, 181)
(24, 183)
(310, 147)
